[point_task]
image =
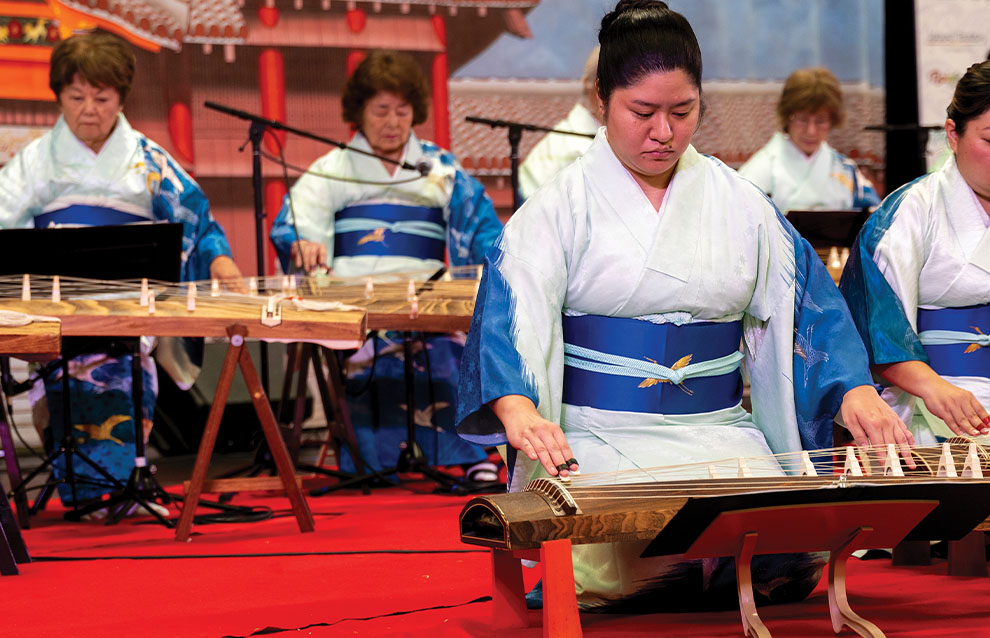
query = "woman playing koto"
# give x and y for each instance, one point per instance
(93, 169)
(918, 281)
(641, 256)
(362, 216)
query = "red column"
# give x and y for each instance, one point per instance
(440, 75)
(177, 90)
(271, 86)
(356, 19)
(181, 132)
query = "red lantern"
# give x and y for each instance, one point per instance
(14, 30)
(52, 33)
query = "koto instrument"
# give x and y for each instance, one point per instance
(836, 500)
(416, 301)
(95, 308)
(270, 310)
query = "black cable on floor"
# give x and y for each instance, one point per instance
(277, 630)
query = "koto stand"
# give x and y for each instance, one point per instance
(839, 528)
(238, 356)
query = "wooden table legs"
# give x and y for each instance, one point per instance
(238, 356)
(560, 610)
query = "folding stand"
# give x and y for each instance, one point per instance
(238, 356)
(839, 528)
(333, 398)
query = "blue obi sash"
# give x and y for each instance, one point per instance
(628, 365)
(956, 340)
(396, 230)
(84, 215)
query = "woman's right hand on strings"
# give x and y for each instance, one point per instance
(533, 435)
(308, 255)
(960, 410)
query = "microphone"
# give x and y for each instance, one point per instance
(424, 166)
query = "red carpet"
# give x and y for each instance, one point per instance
(389, 564)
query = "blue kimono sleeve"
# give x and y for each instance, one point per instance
(829, 358)
(864, 195)
(283, 234)
(472, 226)
(875, 307)
(181, 200)
(491, 367)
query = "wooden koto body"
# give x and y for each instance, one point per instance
(406, 301)
(741, 517)
(524, 520)
(211, 318)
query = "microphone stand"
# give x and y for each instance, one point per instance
(256, 132)
(515, 135)
(264, 123)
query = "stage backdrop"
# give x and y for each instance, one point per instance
(749, 47)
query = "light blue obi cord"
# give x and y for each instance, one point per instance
(956, 340)
(397, 230)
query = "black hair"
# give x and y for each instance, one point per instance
(972, 96)
(640, 37)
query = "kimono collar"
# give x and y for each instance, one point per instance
(684, 203)
(967, 219)
(69, 150)
(667, 239)
(793, 153)
(412, 153)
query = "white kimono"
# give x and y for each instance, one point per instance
(926, 247)
(827, 180)
(468, 214)
(717, 251)
(57, 180)
(555, 151)
(462, 222)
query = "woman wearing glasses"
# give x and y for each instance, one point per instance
(797, 168)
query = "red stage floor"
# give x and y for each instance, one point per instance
(388, 564)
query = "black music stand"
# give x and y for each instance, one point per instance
(132, 251)
(828, 228)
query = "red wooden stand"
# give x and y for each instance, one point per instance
(839, 528)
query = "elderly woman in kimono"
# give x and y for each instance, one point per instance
(641, 256)
(557, 150)
(363, 216)
(797, 168)
(918, 281)
(93, 169)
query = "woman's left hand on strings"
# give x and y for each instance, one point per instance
(226, 271)
(872, 423)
